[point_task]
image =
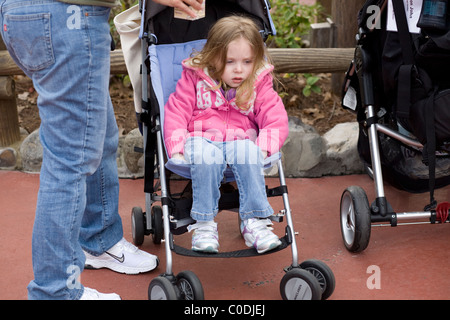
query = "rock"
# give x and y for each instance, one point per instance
(305, 152)
(31, 152)
(134, 159)
(8, 158)
(342, 152)
(309, 155)
(303, 149)
(130, 162)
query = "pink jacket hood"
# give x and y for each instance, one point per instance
(198, 108)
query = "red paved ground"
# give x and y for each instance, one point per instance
(412, 260)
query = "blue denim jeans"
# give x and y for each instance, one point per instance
(65, 50)
(208, 162)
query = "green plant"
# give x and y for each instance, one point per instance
(292, 21)
(310, 85)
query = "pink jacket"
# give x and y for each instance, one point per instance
(197, 109)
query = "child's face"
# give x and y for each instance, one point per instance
(239, 63)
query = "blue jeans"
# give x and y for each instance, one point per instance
(65, 50)
(208, 162)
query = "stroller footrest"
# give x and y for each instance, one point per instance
(250, 252)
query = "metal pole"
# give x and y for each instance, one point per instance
(288, 215)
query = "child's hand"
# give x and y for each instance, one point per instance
(178, 156)
(264, 154)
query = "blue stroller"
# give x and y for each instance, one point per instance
(162, 54)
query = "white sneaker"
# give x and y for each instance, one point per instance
(258, 234)
(123, 257)
(91, 294)
(205, 237)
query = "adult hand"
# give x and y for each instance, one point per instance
(183, 5)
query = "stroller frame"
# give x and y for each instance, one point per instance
(311, 279)
(356, 216)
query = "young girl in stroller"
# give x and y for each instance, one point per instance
(225, 112)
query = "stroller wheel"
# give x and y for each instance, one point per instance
(299, 284)
(161, 288)
(323, 274)
(190, 286)
(355, 219)
(137, 225)
(157, 224)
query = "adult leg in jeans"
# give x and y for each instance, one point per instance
(64, 49)
(98, 235)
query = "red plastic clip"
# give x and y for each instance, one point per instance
(442, 211)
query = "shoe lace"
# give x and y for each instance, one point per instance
(260, 227)
(124, 245)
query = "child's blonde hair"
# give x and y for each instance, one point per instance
(214, 54)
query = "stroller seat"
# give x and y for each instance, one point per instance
(166, 69)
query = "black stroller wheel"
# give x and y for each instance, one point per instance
(137, 225)
(157, 224)
(190, 286)
(161, 288)
(355, 219)
(299, 284)
(323, 274)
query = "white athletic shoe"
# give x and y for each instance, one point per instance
(205, 237)
(123, 257)
(258, 234)
(92, 294)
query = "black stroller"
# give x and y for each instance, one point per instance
(165, 43)
(380, 86)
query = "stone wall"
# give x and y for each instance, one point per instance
(304, 154)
